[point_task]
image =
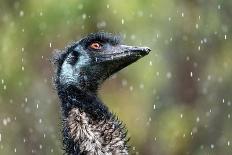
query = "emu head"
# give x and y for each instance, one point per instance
(87, 63)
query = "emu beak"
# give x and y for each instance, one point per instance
(125, 55)
(134, 50)
(120, 57)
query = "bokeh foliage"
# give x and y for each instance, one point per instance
(175, 101)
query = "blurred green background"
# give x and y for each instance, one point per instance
(175, 101)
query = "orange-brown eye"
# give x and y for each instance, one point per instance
(96, 46)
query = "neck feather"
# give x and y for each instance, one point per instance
(88, 126)
(72, 97)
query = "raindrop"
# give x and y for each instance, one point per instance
(115, 12)
(133, 37)
(181, 115)
(220, 79)
(21, 13)
(37, 106)
(197, 26)
(154, 106)
(202, 146)
(141, 86)
(40, 120)
(228, 143)
(84, 16)
(85, 77)
(122, 21)
(157, 73)
(131, 88)
(191, 74)
(184, 135)
(25, 99)
(229, 103)
(124, 82)
(8, 119)
(40, 146)
(228, 116)
(23, 68)
(107, 6)
(50, 45)
(51, 150)
(182, 14)
(157, 35)
(41, 13)
(15, 150)
(225, 37)
(219, 7)
(212, 146)
(101, 24)
(150, 63)
(205, 40)
(198, 119)
(169, 18)
(199, 48)
(169, 75)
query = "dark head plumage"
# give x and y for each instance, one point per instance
(102, 37)
(88, 62)
(59, 55)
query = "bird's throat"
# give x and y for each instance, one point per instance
(73, 97)
(89, 126)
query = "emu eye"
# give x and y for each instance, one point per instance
(95, 46)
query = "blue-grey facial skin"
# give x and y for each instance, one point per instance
(87, 68)
(70, 71)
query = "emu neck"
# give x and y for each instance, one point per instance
(88, 102)
(88, 126)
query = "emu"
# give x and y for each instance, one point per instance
(88, 126)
